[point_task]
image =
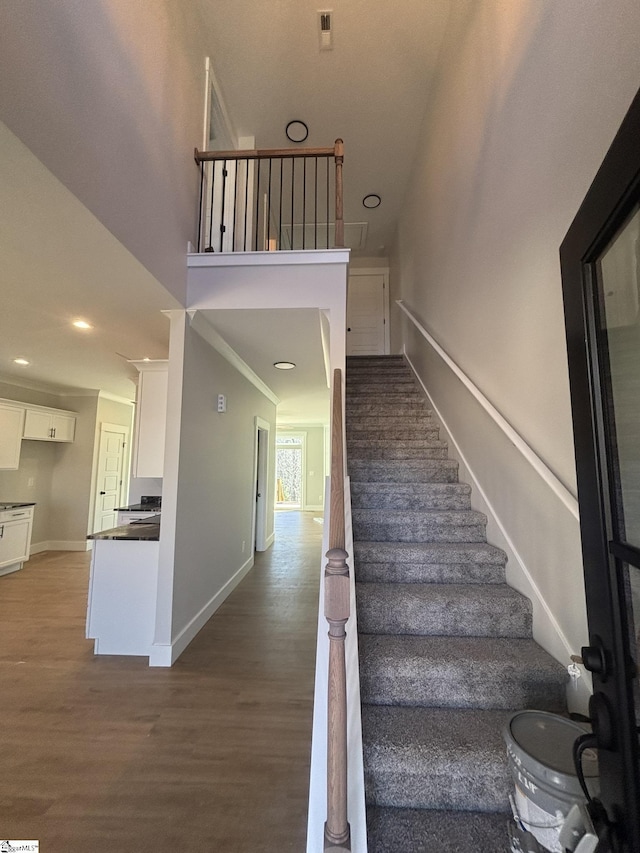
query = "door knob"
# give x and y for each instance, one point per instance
(103, 493)
(594, 658)
(349, 329)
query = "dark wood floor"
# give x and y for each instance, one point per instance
(105, 754)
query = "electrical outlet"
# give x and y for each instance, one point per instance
(222, 403)
(244, 545)
(30, 482)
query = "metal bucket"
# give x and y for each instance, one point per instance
(540, 753)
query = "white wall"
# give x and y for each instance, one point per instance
(209, 487)
(115, 90)
(530, 97)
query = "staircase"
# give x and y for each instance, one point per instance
(445, 645)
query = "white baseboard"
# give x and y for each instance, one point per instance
(270, 540)
(314, 508)
(164, 654)
(59, 545)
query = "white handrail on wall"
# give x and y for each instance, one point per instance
(515, 438)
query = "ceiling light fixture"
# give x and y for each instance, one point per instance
(372, 200)
(297, 131)
(82, 324)
(21, 361)
(284, 365)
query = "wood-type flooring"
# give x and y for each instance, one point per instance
(105, 754)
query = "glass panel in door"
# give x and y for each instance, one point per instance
(618, 279)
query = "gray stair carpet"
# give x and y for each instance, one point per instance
(446, 650)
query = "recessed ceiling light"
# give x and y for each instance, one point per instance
(284, 365)
(372, 200)
(21, 361)
(82, 324)
(146, 359)
(297, 131)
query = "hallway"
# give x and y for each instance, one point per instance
(106, 754)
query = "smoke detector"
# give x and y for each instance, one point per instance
(325, 28)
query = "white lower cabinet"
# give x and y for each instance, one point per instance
(15, 538)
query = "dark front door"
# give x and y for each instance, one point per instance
(600, 259)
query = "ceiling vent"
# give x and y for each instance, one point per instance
(325, 28)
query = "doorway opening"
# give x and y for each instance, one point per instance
(289, 471)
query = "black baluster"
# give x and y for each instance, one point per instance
(246, 202)
(257, 204)
(293, 187)
(222, 208)
(315, 206)
(304, 200)
(200, 241)
(235, 205)
(269, 205)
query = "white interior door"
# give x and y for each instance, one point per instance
(367, 313)
(262, 480)
(111, 456)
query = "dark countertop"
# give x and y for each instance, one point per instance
(15, 505)
(147, 531)
(139, 508)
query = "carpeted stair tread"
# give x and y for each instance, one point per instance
(400, 451)
(399, 380)
(429, 562)
(431, 831)
(384, 525)
(392, 420)
(401, 432)
(459, 672)
(385, 407)
(492, 610)
(435, 758)
(416, 496)
(403, 471)
(377, 444)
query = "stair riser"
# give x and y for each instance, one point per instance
(380, 472)
(376, 383)
(419, 532)
(457, 687)
(417, 616)
(385, 404)
(416, 497)
(400, 404)
(436, 573)
(355, 443)
(383, 432)
(486, 787)
(392, 421)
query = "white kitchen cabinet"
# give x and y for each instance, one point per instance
(15, 538)
(151, 418)
(42, 424)
(11, 426)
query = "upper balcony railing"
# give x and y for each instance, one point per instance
(270, 199)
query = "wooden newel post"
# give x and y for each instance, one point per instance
(339, 156)
(336, 611)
